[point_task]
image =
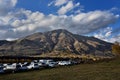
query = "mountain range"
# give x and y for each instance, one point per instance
(55, 42)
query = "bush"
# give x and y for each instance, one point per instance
(116, 48)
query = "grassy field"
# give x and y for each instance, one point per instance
(96, 71)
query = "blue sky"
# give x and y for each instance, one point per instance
(89, 5)
(98, 18)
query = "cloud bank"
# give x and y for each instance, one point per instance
(6, 6)
(20, 22)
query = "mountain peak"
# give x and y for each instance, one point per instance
(56, 41)
(58, 31)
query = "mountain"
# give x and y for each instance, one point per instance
(55, 42)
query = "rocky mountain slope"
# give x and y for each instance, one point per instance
(56, 41)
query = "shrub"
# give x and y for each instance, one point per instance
(116, 49)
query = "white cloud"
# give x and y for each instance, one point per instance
(77, 12)
(77, 4)
(115, 38)
(65, 6)
(24, 22)
(64, 9)
(6, 5)
(51, 3)
(11, 39)
(58, 2)
(21, 22)
(93, 20)
(106, 34)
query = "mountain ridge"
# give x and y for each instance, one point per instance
(55, 41)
